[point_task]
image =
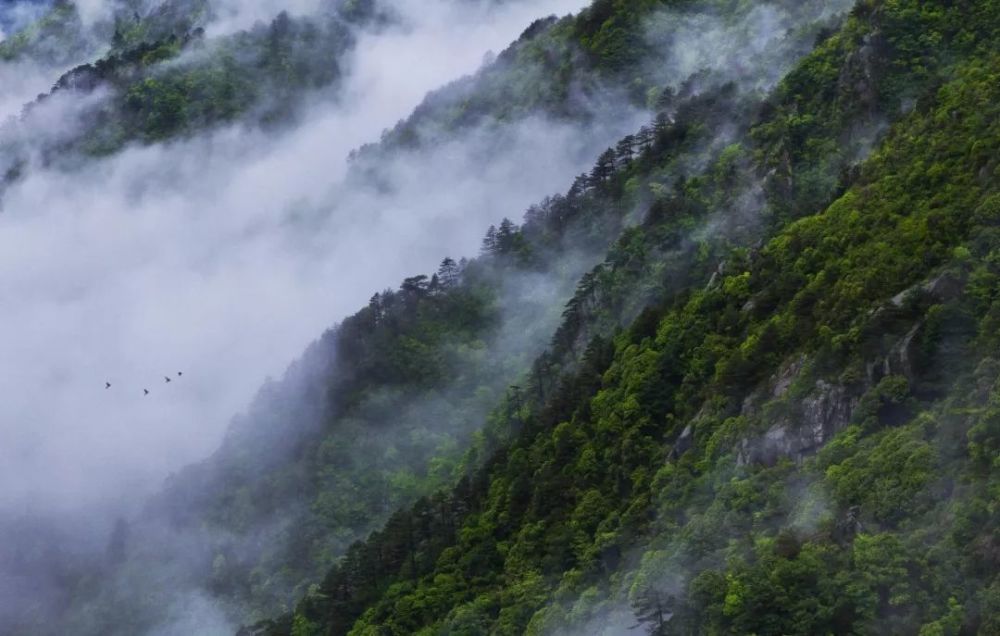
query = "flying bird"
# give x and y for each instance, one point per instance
(145, 391)
(166, 378)
(107, 385)
(179, 374)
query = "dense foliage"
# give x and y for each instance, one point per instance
(740, 378)
(801, 445)
(163, 78)
(610, 56)
(386, 407)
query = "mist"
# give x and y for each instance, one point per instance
(15, 16)
(700, 50)
(222, 257)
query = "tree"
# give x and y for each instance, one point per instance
(661, 123)
(580, 186)
(490, 241)
(414, 284)
(604, 169)
(506, 236)
(665, 101)
(644, 138)
(448, 273)
(625, 151)
(377, 309)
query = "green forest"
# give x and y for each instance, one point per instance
(740, 376)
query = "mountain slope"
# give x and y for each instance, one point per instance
(54, 39)
(377, 413)
(772, 448)
(739, 378)
(163, 78)
(383, 409)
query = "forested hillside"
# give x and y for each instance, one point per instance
(795, 435)
(56, 37)
(388, 406)
(739, 377)
(162, 78)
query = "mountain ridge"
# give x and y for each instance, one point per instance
(738, 378)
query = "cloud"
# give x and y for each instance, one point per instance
(22, 82)
(223, 256)
(14, 16)
(753, 47)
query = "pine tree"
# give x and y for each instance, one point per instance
(644, 138)
(661, 123)
(579, 187)
(625, 151)
(414, 284)
(448, 273)
(506, 236)
(490, 241)
(604, 169)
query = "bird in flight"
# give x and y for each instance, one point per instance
(166, 378)
(145, 391)
(107, 385)
(179, 374)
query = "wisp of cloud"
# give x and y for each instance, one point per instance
(221, 257)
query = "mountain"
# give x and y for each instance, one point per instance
(162, 77)
(384, 408)
(739, 377)
(795, 435)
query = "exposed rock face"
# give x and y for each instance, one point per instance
(900, 360)
(827, 411)
(786, 376)
(800, 429)
(779, 384)
(941, 288)
(719, 272)
(830, 406)
(861, 72)
(849, 525)
(683, 443)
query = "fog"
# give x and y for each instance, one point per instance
(755, 52)
(23, 78)
(21, 82)
(222, 257)
(16, 15)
